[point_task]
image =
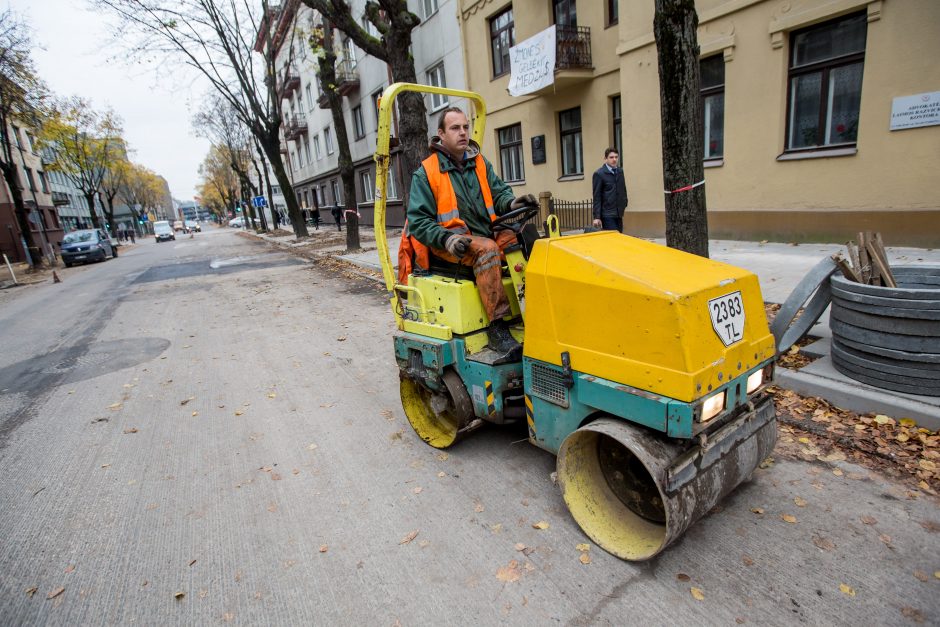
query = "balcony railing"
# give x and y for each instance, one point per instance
(347, 77)
(572, 47)
(60, 199)
(289, 82)
(294, 127)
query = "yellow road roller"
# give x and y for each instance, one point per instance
(644, 369)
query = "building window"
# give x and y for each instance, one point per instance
(613, 12)
(502, 38)
(617, 125)
(29, 177)
(359, 127)
(328, 140)
(430, 8)
(307, 149)
(369, 27)
(349, 54)
(316, 147)
(309, 97)
(713, 104)
(365, 182)
(300, 101)
(16, 136)
(337, 196)
(43, 183)
(30, 142)
(565, 12)
(391, 190)
(826, 63)
(569, 122)
(510, 153)
(376, 96)
(436, 79)
(300, 155)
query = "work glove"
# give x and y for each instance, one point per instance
(457, 245)
(528, 200)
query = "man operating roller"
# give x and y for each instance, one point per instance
(455, 195)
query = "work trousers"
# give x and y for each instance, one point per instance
(485, 257)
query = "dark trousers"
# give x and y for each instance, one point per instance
(611, 223)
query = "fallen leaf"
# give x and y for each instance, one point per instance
(179, 595)
(411, 536)
(324, 548)
(799, 502)
(683, 577)
(907, 422)
(788, 518)
(115, 406)
(847, 590)
(921, 575)
(31, 591)
(418, 490)
(885, 538)
(311, 447)
(195, 413)
(478, 508)
(519, 546)
(823, 543)
(186, 400)
(71, 567)
(509, 573)
(238, 412)
(442, 474)
(697, 594)
(228, 617)
(805, 440)
(275, 476)
(757, 510)
(868, 520)
(443, 456)
(585, 558)
(881, 419)
(540, 525)
(767, 463)
(583, 547)
(837, 472)
(105, 465)
(424, 544)
(272, 507)
(914, 614)
(272, 395)
(747, 560)
(55, 593)
(131, 430)
(341, 338)
(936, 574)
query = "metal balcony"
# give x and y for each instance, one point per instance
(294, 127)
(572, 47)
(347, 77)
(60, 199)
(289, 82)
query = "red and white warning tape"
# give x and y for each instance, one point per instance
(684, 189)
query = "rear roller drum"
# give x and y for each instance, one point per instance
(633, 491)
(439, 418)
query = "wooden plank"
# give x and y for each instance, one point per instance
(847, 270)
(864, 263)
(876, 251)
(853, 257)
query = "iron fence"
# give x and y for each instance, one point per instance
(572, 47)
(572, 214)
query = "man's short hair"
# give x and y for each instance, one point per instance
(440, 120)
(610, 150)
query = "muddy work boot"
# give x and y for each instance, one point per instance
(501, 341)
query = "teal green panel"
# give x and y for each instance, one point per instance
(479, 378)
(679, 421)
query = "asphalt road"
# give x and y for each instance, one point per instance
(209, 431)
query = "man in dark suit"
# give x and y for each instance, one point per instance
(610, 193)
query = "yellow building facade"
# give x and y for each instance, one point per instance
(821, 116)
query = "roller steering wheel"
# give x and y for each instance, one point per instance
(508, 222)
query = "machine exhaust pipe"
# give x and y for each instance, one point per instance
(634, 492)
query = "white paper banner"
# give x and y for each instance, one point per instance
(532, 63)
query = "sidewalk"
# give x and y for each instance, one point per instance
(779, 267)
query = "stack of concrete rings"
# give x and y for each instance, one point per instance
(889, 337)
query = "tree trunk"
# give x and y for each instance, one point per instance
(327, 75)
(32, 252)
(267, 180)
(264, 220)
(90, 199)
(412, 114)
(109, 213)
(680, 102)
(272, 151)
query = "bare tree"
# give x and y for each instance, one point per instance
(21, 99)
(321, 41)
(114, 182)
(394, 23)
(219, 39)
(675, 27)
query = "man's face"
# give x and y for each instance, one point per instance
(456, 134)
(612, 159)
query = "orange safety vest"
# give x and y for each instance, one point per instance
(411, 252)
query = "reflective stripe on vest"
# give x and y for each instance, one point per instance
(448, 215)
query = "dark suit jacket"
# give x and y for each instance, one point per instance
(610, 193)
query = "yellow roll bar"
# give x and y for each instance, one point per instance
(383, 161)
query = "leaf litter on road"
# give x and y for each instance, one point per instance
(408, 538)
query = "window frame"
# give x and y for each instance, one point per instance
(43, 182)
(359, 124)
(444, 101)
(336, 189)
(708, 92)
(612, 14)
(824, 68)
(328, 140)
(616, 123)
(310, 98)
(376, 95)
(576, 132)
(513, 145)
(511, 28)
(424, 7)
(367, 194)
(316, 147)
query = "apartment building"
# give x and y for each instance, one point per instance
(309, 136)
(44, 222)
(822, 117)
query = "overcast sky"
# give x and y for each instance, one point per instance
(76, 60)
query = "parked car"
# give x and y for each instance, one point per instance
(86, 245)
(192, 225)
(238, 223)
(178, 226)
(163, 231)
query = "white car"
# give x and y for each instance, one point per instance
(237, 223)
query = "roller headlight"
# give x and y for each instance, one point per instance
(713, 406)
(754, 380)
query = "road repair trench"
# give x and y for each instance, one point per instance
(207, 267)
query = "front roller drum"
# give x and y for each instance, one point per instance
(439, 418)
(633, 491)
